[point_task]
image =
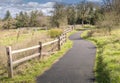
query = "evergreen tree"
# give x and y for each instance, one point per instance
(9, 22)
(22, 20)
(7, 16)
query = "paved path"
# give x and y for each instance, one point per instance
(76, 66)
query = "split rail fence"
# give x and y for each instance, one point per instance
(60, 41)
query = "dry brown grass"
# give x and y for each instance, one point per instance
(29, 38)
(32, 38)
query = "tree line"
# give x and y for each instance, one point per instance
(83, 13)
(105, 14)
(24, 19)
(110, 15)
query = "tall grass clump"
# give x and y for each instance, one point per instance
(86, 34)
(53, 33)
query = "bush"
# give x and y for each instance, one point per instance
(55, 33)
(88, 26)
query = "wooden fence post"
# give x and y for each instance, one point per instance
(65, 37)
(59, 45)
(72, 27)
(40, 50)
(10, 65)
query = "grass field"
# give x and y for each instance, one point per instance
(28, 75)
(107, 66)
(16, 36)
(26, 39)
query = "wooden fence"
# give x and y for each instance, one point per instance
(60, 41)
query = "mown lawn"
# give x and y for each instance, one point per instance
(107, 65)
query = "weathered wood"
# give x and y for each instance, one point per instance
(48, 43)
(65, 37)
(34, 47)
(26, 49)
(59, 43)
(10, 64)
(62, 36)
(40, 50)
(26, 58)
(61, 40)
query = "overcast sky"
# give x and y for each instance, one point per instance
(15, 6)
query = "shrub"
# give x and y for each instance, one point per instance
(88, 26)
(55, 33)
(87, 34)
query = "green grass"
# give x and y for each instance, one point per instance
(29, 75)
(107, 65)
(85, 27)
(13, 39)
(88, 26)
(85, 34)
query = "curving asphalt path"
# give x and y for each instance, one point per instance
(76, 66)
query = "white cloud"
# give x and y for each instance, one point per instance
(33, 4)
(49, 4)
(16, 8)
(15, 0)
(10, 1)
(58, 0)
(95, 0)
(0, 8)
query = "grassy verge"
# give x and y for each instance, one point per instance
(29, 75)
(107, 66)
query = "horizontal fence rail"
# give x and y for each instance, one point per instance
(26, 49)
(60, 41)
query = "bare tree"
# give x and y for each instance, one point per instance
(59, 15)
(83, 10)
(71, 14)
(113, 7)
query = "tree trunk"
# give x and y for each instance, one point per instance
(82, 22)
